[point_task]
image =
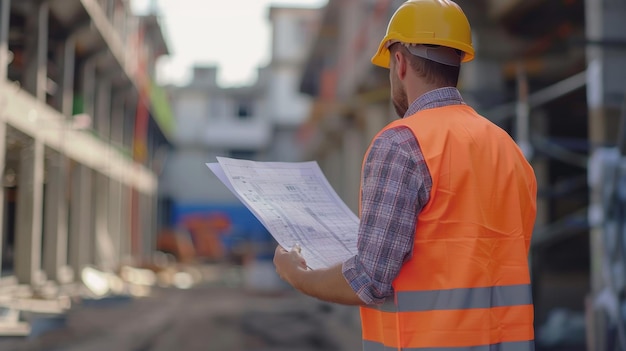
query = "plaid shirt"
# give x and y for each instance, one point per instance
(395, 187)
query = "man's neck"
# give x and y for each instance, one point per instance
(420, 89)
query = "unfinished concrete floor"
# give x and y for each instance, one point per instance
(207, 318)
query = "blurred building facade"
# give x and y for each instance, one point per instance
(548, 72)
(255, 122)
(83, 131)
(293, 32)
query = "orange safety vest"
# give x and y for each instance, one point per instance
(467, 285)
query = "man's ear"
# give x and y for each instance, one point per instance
(401, 64)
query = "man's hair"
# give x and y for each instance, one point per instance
(433, 72)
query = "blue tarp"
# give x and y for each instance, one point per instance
(245, 226)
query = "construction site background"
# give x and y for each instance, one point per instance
(115, 235)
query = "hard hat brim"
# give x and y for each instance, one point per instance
(382, 56)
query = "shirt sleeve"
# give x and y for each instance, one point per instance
(395, 187)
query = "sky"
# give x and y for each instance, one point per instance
(234, 35)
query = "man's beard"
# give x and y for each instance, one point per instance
(400, 100)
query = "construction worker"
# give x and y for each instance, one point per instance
(447, 208)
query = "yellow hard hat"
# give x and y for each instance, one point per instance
(434, 22)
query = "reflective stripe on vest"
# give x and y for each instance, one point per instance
(456, 299)
(504, 346)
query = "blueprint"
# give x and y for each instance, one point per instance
(296, 204)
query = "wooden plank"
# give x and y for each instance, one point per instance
(14, 329)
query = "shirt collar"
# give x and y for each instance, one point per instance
(435, 98)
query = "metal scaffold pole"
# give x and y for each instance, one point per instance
(605, 92)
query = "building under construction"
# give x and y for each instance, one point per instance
(552, 74)
(82, 129)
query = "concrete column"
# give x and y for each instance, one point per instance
(605, 73)
(136, 224)
(88, 88)
(351, 24)
(92, 254)
(115, 217)
(125, 224)
(605, 95)
(36, 73)
(147, 207)
(150, 144)
(29, 213)
(154, 221)
(80, 218)
(352, 159)
(541, 165)
(56, 218)
(66, 58)
(335, 169)
(103, 108)
(129, 119)
(117, 117)
(375, 118)
(109, 9)
(522, 115)
(5, 11)
(481, 81)
(105, 257)
(3, 132)
(539, 121)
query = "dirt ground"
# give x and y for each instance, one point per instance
(207, 318)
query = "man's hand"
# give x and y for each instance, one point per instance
(289, 265)
(326, 284)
